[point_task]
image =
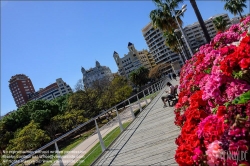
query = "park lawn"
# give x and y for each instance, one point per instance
(71, 145)
(92, 155)
(149, 96)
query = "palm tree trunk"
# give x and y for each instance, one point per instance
(240, 14)
(199, 17)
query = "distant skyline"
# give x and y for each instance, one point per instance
(46, 40)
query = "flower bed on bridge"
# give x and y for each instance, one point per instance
(213, 109)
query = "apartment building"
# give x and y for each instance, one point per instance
(157, 47)
(195, 35)
(146, 59)
(97, 73)
(235, 20)
(21, 86)
(54, 90)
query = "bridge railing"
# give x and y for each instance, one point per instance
(146, 92)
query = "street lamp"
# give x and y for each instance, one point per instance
(183, 9)
(184, 55)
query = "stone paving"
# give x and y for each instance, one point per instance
(149, 140)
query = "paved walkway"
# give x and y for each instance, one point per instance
(149, 140)
(79, 151)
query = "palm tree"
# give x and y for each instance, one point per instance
(139, 76)
(199, 17)
(220, 23)
(235, 6)
(162, 17)
(173, 43)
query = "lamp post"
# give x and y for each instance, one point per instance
(183, 9)
(185, 58)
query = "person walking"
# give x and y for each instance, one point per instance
(174, 76)
(169, 75)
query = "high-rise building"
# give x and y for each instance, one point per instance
(157, 47)
(129, 62)
(235, 20)
(20, 86)
(97, 73)
(156, 41)
(195, 35)
(57, 89)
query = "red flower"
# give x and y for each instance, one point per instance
(221, 111)
(196, 100)
(245, 63)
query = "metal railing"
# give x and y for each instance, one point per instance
(150, 90)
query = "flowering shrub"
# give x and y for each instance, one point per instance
(213, 110)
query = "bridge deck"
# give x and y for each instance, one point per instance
(149, 140)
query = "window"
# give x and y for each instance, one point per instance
(57, 93)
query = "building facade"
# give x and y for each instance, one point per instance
(57, 89)
(235, 20)
(195, 35)
(146, 59)
(97, 73)
(21, 86)
(129, 62)
(157, 47)
(162, 54)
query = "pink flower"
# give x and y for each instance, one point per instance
(235, 88)
(210, 128)
(198, 155)
(214, 153)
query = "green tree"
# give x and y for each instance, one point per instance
(62, 102)
(28, 138)
(139, 77)
(156, 72)
(235, 6)
(69, 120)
(27, 112)
(220, 23)
(85, 100)
(201, 21)
(42, 117)
(118, 90)
(121, 88)
(5, 136)
(162, 17)
(171, 41)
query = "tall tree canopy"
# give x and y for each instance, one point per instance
(139, 76)
(163, 17)
(235, 6)
(28, 138)
(220, 23)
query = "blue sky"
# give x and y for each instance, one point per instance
(49, 40)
